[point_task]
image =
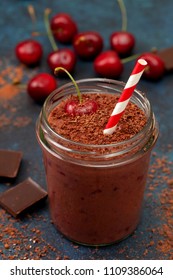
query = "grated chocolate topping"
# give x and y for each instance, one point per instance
(88, 128)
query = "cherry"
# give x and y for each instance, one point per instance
(79, 109)
(29, 52)
(40, 86)
(155, 68)
(63, 27)
(108, 64)
(70, 106)
(65, 58)
(122, 41)
(87, 107)
(88, 44)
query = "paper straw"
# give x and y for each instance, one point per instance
(125, 96)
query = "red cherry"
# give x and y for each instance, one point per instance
(86, 108)
(63, 27)
(108, 64)
(88, 44)
(69, 107)
(155, 68)
(122, 42)
(65, 58)
(40, 86)
(29, 52)
(79, 109)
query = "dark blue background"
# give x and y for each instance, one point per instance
(151, 23)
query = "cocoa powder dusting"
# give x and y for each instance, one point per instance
(20, 241)
(11, 85)
(7, 77)
(160, 177)
(88, 128)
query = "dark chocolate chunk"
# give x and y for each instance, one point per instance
(167, 56)
(19, 198)
(9, 163)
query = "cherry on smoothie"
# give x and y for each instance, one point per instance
(155, 68)
(122, 41)
(88, 44)
(70, 106)
(108, 64)
(65, 57)
(40, 86)
(63, 27)
(29, 52)
(79, 107)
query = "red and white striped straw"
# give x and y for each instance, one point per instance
(125, 96)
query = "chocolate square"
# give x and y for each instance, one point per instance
(167, 56)
(24, 195)
(9, 163)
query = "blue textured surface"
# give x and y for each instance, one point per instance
(151, 23)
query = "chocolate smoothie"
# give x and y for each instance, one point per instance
(95, 181)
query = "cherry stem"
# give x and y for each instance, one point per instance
(123, 14)
(32, 14)
(130, 58)
(17, 83)
(48, 29)
(37, 33)
(57, 69)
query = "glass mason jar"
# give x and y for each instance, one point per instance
(96, 191)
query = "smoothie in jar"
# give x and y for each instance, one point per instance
(96, 182)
